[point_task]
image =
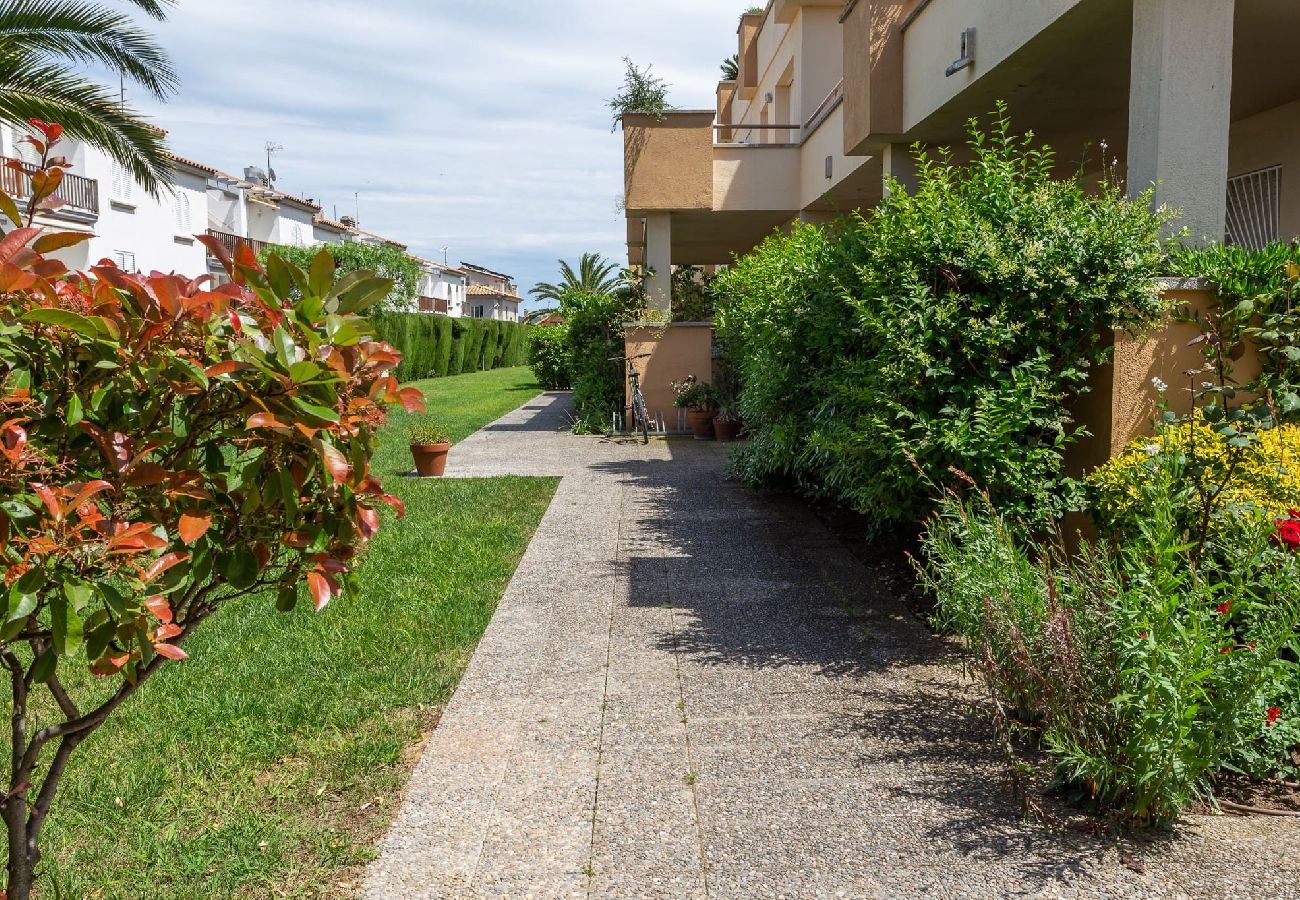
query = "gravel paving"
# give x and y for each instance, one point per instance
(690, 690)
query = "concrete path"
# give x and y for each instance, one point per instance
(693, 691)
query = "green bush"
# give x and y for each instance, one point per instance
(456, 360)
(1142, 674)
(548, 355)
(594, 327)
(384, 260)
(951, 328)
(1258, 295)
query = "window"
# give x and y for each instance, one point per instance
(22, 149)
(1254, 208)
(123, 185)
(125, 260)
(184, 223)
(480, 311)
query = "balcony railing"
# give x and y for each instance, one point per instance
(433, 305)
(233, 240)
(78, 193)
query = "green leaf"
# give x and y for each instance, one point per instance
(62, 318)
(75, 412)
(65, 627)
(304, 371)
(287, 598)
(45, 667)
(322, 273)
(238, 567)
(365, 294)
(79, 593)
(277, 273)
(312, 411)
(21, 604)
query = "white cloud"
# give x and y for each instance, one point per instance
(477, 125)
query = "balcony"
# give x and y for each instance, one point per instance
(80, 195)
(233, 240)
(433, 305)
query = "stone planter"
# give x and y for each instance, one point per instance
(701, 424)
(430, 459)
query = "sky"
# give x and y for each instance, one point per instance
(480, 126)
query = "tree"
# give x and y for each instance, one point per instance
(386, 260)
(595, 275)
(731, 67)
(40, 40)
(642, 93)
(166, 447)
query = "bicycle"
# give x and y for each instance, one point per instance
(640, 418)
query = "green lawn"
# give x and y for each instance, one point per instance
(268, 764)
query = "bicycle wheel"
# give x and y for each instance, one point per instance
(640, 420)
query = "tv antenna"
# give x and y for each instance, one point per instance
(271, 149)
(444, 255)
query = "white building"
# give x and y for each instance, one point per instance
(134, 230)
(490, 295)
(442, 289)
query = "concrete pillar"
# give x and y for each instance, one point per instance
(899, 162)
(659, 260)
(1180, 109)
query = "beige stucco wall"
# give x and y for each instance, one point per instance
(827, 140)
(677, 351)
(668, 164)
(932, 41)
(1122, 404)
(873, 72)
(747, 35)
(756, 178)
(1271, 138)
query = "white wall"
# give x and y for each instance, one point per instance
(133, 230)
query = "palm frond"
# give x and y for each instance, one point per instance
(87, 33)
(88, 112)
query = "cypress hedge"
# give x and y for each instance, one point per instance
(433, 346)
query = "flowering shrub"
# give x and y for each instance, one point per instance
(1262, 478)
(1143, 675)
(168, 445)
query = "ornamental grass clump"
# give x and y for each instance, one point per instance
(167, 446)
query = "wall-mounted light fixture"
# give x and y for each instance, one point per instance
(830, 167)
(767, 98)
(967, 58)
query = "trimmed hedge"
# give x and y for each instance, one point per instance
(433, 346)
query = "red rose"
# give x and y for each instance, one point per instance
(1287, 533)
(1273, 715)
(1223, 608)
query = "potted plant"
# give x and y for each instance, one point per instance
(700, 402)
(726, 424)
(429, 446)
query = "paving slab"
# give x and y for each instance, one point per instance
(692, 690)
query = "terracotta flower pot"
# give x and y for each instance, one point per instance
(701, 424)
(726, 429)
(430, 459)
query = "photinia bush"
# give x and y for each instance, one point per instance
(168, 445)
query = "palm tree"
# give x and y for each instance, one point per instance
(731, 67)
(41, 41)
(595, 275)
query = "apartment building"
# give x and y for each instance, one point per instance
(490, 295)
(100, 197)
(442, 289)
(143, 233)
(1195, 97)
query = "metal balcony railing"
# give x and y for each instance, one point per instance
(78, 193)
(233, 240)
